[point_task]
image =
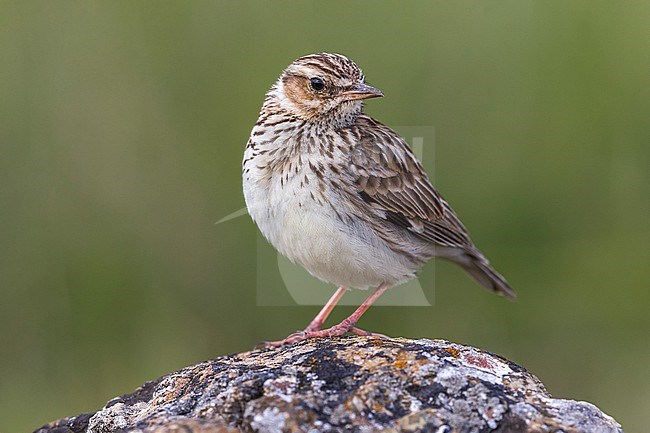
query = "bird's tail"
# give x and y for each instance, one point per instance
(478, 267)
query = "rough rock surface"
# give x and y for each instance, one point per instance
(349, 384)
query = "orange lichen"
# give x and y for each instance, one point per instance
(401, 364)
(454, 352)
(402, 361)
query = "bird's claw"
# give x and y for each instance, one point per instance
(364, 333)
(335, 331)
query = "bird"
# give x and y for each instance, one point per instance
(343, 195)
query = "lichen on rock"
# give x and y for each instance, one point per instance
(350, 384)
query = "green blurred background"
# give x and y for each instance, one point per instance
(122, 127)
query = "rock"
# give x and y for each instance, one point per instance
(351, 384)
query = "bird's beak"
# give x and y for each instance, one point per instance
(361, 91)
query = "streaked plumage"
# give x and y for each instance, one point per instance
(343, 195)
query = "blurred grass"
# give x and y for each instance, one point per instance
(122, 128)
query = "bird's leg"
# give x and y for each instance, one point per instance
(320, 318)
(342, 328)
(347, 325)
(315, 325)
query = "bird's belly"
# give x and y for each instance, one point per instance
(312, 235)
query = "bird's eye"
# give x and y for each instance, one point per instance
(317, 84)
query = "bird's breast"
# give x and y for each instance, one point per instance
(309, 225)
(299, 202)
(291, 209)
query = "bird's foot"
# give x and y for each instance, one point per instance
(335, 331)
(364, 333)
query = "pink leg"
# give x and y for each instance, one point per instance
(354, 317)
(320, 318)
(342, 328)
(315, 324)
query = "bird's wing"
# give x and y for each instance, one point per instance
(388, 177)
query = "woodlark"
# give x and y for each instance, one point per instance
(344, 196)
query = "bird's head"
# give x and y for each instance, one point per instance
(321, 86)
